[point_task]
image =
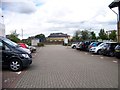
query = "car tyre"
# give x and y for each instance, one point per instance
(74, 47)
(111, 54)
(99, 52)
(15, 65)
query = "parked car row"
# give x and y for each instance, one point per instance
(102, 48)
(15, 56)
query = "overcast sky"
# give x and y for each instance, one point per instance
(51, 16)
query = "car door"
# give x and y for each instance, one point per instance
(6, 54)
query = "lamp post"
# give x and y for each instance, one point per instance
(116, 3)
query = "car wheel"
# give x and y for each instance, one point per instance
(99, 52)
(111, 54)
(15, 65)
(74, 46)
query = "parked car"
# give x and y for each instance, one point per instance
(93, 44)
(84, 45)
(78, 45)
(117, 51)
(74, 45)
(32, 48)
(109, 48)
(25, 47)
(97, 49)
(13, 56)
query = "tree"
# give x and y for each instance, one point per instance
(103, 35)
(76, 36)
(113, 35)
(93, 35)
(41, 37)
(14, 37)
(85, 35)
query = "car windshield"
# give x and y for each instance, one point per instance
(117, 47)
(102, 44)
(10, 42)
(106, 45)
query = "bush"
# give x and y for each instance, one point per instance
(40, 44)
(69, 44)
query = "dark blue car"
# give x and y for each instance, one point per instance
(13, 56)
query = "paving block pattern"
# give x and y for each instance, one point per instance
(57, 66)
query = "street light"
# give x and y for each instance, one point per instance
(116, 3)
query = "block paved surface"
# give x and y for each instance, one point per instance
(56, 66)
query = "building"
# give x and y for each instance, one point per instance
(2, 27)
(110, 31)
(116, 3)
(57, 37)
(34, 42)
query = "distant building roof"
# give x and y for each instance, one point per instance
(115, 3)
(58, 35)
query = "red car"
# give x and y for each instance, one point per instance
(23, 45)
(31, 48)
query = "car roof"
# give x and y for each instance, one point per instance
(21, 43)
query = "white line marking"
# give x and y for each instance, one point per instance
(18, 72)
(115, 61)
(101, 57)
(5, 81)
(92, 55)
(86, 53)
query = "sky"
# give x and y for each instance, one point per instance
(53, 16)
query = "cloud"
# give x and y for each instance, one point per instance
(21, 6)
(49, 16)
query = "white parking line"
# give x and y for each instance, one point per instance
(18, 72)
(5, 81)
(86, 53)
(92, 55)
(102, 57)
(115, 61)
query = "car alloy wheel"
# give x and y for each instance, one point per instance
(15, 65)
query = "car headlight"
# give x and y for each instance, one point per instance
(94, 48)
(25, 55)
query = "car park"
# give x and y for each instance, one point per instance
(13, 56)
(109, 48)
